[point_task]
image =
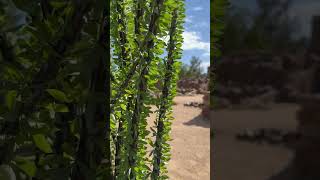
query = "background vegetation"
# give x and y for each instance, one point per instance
(269, 28)
(193, 70)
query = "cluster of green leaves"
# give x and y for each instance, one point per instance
(54, 89)
(217, 15)
(146, 41)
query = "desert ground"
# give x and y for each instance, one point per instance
(190, 145)
(234, 159)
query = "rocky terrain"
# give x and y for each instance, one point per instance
(192, 86)
(257, 80)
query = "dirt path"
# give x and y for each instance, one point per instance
(191, 142)
(235, 159)
(190, 145)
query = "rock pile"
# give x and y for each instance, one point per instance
(256, 80)
(191, 86)
(269, 136)
(194, 104)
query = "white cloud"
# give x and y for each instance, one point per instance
(205, 54)
(202, 24)
(193, 41)
(198, 8)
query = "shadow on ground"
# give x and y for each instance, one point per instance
(198, 121)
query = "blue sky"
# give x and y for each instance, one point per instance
(197, 31)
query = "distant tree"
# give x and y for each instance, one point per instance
(272, 25)
(194, 70)
(236, 25)
(195, 66)
(184, 71)
(269, 28)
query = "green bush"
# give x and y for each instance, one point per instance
(193, 71)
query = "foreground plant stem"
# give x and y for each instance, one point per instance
(142, 88)
(164, 100)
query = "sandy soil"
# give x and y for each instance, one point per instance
(190, 153)
(233, 159)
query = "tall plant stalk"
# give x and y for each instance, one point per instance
(139, 44)
(163, 123)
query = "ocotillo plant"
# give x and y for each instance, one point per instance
(146, 40)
